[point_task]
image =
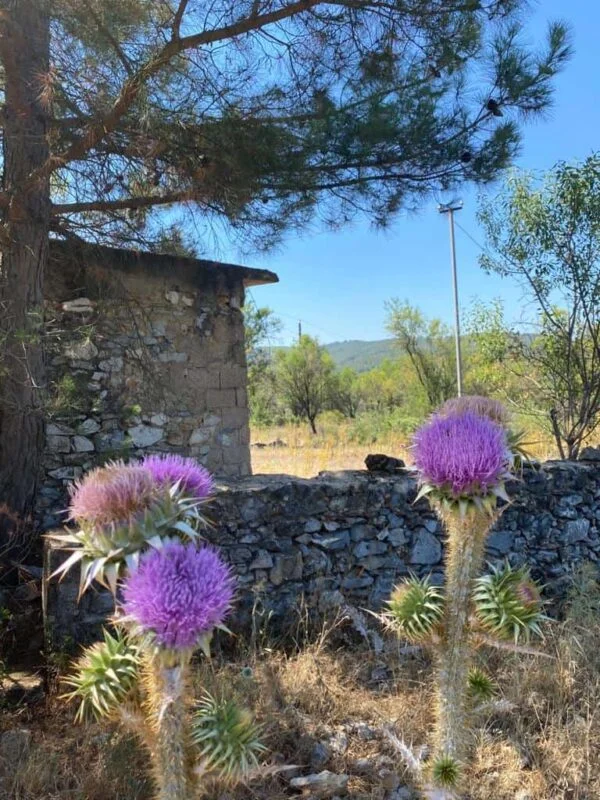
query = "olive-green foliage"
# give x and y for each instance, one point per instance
(304, 375)
(546, 233)
(429, 346)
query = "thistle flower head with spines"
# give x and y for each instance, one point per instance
(178, 595)
(446, 771)
(476, 404)
(122, 509)
(227, 737)
(463, 461)
(414, 609)
(191, 478)
(508, 603)
(106, 674)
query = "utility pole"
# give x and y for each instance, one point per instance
(450, 208)
(299, 330)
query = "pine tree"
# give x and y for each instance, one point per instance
(254, 115)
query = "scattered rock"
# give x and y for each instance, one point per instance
(378, 462)
(339, 743)
(14, 745)
(590, 454)
(390, 780)
(320, 755)
(322, 784)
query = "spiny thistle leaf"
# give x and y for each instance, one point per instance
(445, 771)
(481, 685)
(508, 603)
(517, 444)
(106, 673)
(227, 737)
(414, 609)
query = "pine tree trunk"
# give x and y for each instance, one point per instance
(24, 51)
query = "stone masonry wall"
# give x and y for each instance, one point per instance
(348, 537)
(142, 360)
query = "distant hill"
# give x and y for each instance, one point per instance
(362, 356)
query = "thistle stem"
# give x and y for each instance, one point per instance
(171, 751)
(464, 557)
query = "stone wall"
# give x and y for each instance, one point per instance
(145, 354)
(348, 537)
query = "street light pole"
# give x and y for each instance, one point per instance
(449, 209)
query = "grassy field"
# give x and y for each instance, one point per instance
(294, 450)
(539, 741)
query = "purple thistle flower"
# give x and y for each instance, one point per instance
(194, 479)
(461, 454)
(179, 593)
(483, 406)
(112, 494)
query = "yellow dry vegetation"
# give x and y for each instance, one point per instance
(539, 741)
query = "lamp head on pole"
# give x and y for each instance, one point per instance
(453, 205)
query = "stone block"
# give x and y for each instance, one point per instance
(220, 398)
(58, 444)
(145, 435)
(577, 530)
(81, 444)
(232, 378)
(427, 549)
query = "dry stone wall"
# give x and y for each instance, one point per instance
(348, 537)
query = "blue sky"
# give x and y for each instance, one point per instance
(337, 283)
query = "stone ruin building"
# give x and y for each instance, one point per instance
(145, 354)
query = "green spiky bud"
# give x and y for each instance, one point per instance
(415, 608)
(508, 603)
(106, 674)
(481, 685)
(227, 737)
(445, 771)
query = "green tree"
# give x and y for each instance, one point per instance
(253, 113)
(262, 327)
(344, 392)
(428, 344)
(304, 375)
(546, 233)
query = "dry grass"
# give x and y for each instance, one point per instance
(305, 455)
(546, 748)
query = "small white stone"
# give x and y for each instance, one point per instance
(82, 305)
(187, 300)
(172, 297)
(81, 351)
(159, 419)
